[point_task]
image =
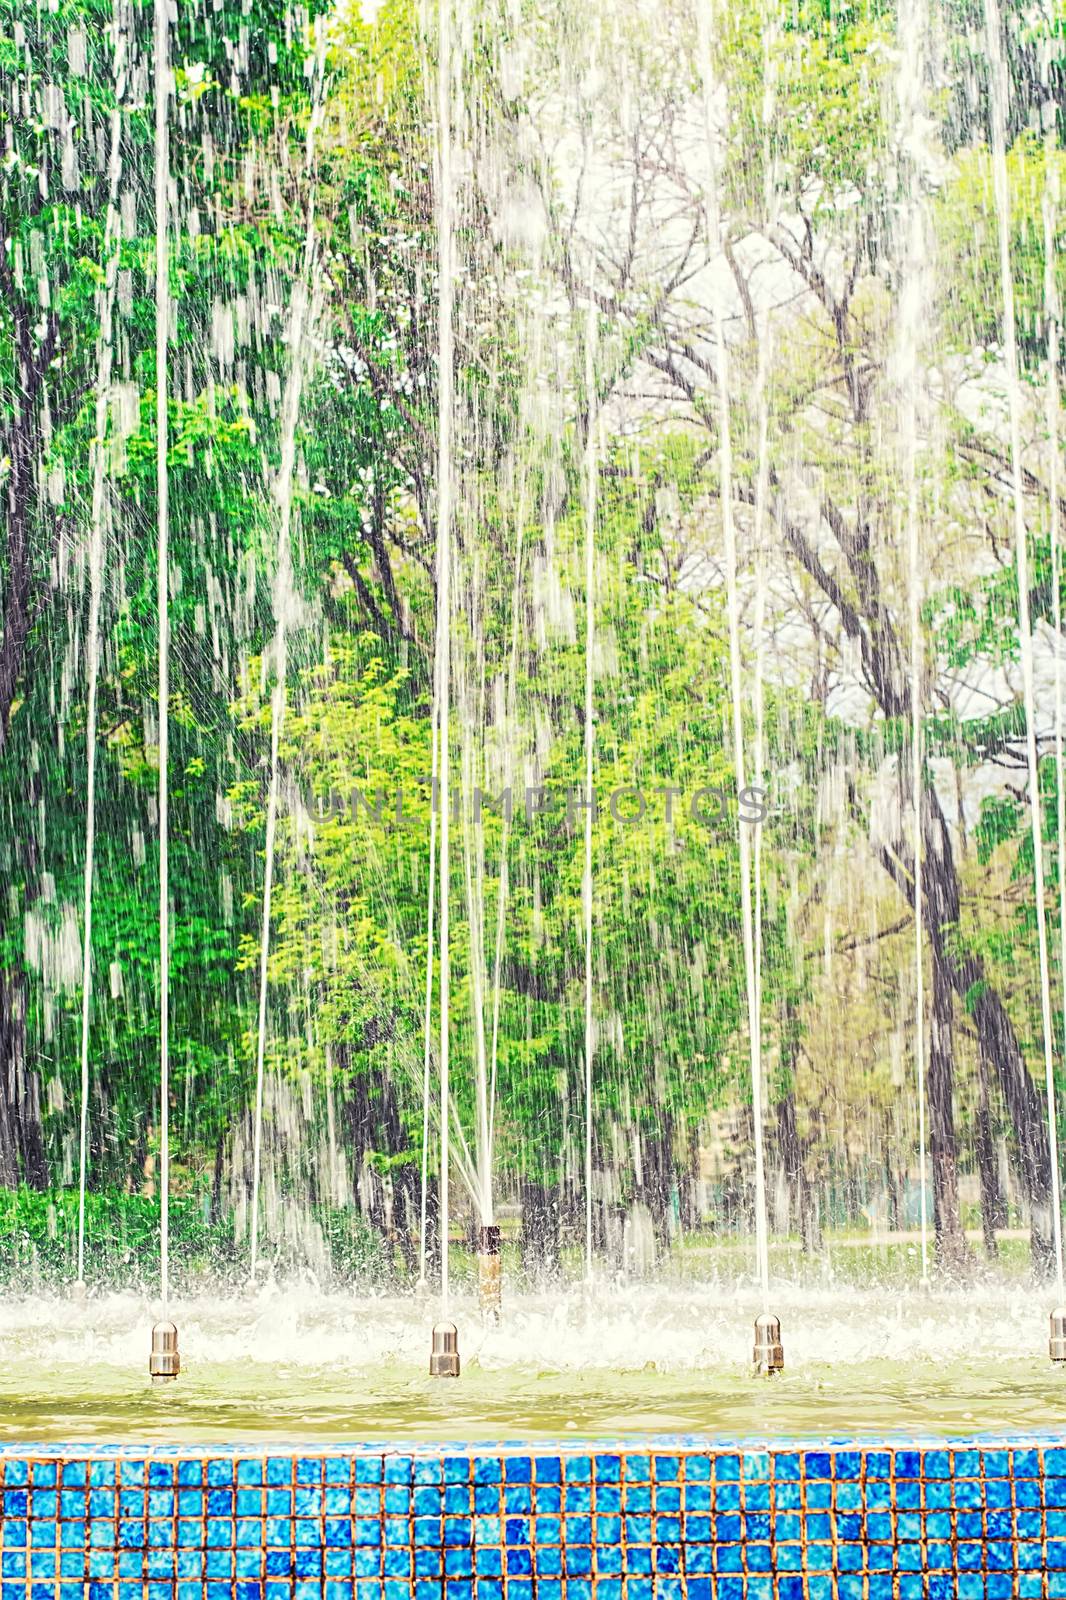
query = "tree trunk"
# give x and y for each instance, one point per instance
(895, 1221)
(993, 1209)
(867, 621)
(375, 1127)
(800, 1194)
(952, 1252)
(657, 1178)
(22, 1151)
(406, 1213)
(540, 1230)
(432, 1228)
(10, 1056)
(215, 1213)
(997, 1039)
(31, 1129)
(690, 1188)
(22, 437)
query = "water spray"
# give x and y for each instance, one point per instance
(768, 1355)
(422, 1286)
(98, 457)
(591, 485)
(303, 310)
(444, 1357)
(1053, 313)
(501, 901)
(1001, 186)
(163, 1363)
(912, 312)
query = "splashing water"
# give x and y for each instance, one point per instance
(278, 1365)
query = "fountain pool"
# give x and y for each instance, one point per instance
(305, 1452)
(586, 402)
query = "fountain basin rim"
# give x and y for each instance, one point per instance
(571, 1446)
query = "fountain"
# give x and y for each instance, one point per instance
(531, 746)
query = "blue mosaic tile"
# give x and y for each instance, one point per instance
(672, 1520)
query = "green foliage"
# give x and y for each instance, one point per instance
(967, 239)
(39, 1238)
(39, 1241)
(999, 822)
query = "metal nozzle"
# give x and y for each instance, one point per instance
(489, 1286)
(444, 1354)
(164, 1363)
(1057, 1342)
(769, 1356)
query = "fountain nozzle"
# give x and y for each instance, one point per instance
(769, 1355)
(488, 1274)
(164, 1363)
(444, 1354)
(1057, 1342)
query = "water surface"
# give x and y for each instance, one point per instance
(290, 1364)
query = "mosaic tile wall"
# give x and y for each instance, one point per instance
(681, 1521)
